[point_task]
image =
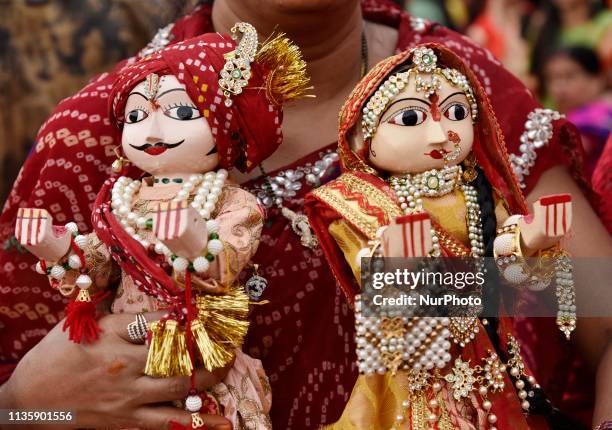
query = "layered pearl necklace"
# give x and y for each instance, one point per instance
(435, 183)
(207, 189)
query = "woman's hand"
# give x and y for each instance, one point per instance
(35, 231)
(103, 382)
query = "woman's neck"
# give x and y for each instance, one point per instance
(330, 38)
(329, 35)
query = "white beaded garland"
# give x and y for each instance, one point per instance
(201, 264)
(180, 264)
(74, 261)
(83, 282)
(81, 241)
(58, 272)
(193, 403)
(72, 227)
(214, 246)
(207, 189)
(212, 226)
(39, 268)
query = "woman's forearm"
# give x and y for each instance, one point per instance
(603, 388)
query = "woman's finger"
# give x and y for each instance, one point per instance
(162, 417)
(118, 323)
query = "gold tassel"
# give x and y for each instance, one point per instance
(182, 364)
(168, 355)
(287, 79)
(213, 355)
(221, 326)
(156, 331)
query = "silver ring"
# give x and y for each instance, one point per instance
(137, 329)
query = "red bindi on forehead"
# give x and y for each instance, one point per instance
(435, 109)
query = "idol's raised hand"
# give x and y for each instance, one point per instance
(181, 228)
(35, 231)
(550, 221)
(408, 236)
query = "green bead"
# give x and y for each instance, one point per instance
(149, 224)
(210, 257)
(213, 236)
(165, 180)
(66, 266)
(178, 180)
(190, 267)
(173, 257)
(156, 180)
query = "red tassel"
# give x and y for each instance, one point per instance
(81, 317)
(178, 426)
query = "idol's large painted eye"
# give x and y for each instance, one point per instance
(408, 117)
(456, 112)
(135, 115)
(183, 113)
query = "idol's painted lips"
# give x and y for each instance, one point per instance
(157, 148)
(437, 154)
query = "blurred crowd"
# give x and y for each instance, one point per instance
(561, 49)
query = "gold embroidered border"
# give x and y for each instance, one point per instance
(367, 224)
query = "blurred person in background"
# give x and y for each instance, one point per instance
(567, 23)
(576, 84)
(499, 28)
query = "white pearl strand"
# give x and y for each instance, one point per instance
(209, 188)
(369, 352)
(411, 188)
(409, 195)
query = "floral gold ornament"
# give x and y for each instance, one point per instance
(286, 80)
(461, 379)
(236, 72)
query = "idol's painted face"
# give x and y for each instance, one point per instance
(167, 135)
(416, 132)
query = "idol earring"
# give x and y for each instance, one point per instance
(117, 165)
(256, 284)
(469, 171)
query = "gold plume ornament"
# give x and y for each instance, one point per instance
(219, 328)
(286, 79)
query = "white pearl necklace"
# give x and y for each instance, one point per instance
(410, 188)
(209, 188)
